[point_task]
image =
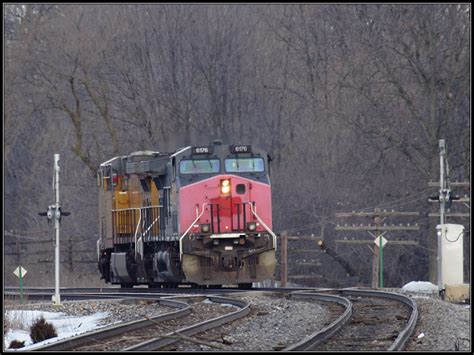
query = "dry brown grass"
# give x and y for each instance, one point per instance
(16, 344)
(42, 330)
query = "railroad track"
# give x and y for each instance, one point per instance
(142, 334)
(160, 342)
(361, 320)
(372, 320)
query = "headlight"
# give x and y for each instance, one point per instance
(252, 226)
(225, 186)
(205, 228)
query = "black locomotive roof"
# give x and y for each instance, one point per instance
(218, 150)
(155, 162)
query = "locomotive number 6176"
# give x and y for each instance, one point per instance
(199, 215)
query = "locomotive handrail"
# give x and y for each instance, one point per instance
(189, 228)
(135, 208)
(151, 225)
(136, 231)
(265, 226)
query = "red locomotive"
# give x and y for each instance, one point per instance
(199, 216)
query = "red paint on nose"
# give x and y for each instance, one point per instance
(228, 208)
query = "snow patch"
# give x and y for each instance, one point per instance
(66, 326)
(421, 287)
(208, 301)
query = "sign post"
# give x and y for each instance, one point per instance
(20, 272)
(380, 241)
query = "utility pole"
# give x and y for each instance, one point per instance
(377, 252)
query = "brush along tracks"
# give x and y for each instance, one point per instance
(378, 321)
(153, 333)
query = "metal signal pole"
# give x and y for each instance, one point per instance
(445, 198)
(442, 185)
(54, 212)
(57, 216)
(442, 205)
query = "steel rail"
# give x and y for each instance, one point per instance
(325, 333)
(398, 344)
(87, 296)
(403, 336)
(101, 334)
(160, 342)
(16, 289)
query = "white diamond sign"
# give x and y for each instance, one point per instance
(377, 241)
(17, 271)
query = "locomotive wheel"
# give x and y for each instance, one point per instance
(126, 285)
(215, 286)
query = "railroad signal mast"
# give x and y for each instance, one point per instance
(445, 199)
(379, 217)
(54, 212)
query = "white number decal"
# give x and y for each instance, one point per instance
(202, 150)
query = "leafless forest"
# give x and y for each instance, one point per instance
(349, 100)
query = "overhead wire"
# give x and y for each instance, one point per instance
(391, 204)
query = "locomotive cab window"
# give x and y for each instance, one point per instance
(244, 165)
(199, 166)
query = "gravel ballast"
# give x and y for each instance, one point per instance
(273, 324)
(441, 326)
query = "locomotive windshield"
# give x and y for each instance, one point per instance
(244, 165)
(199, 166)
